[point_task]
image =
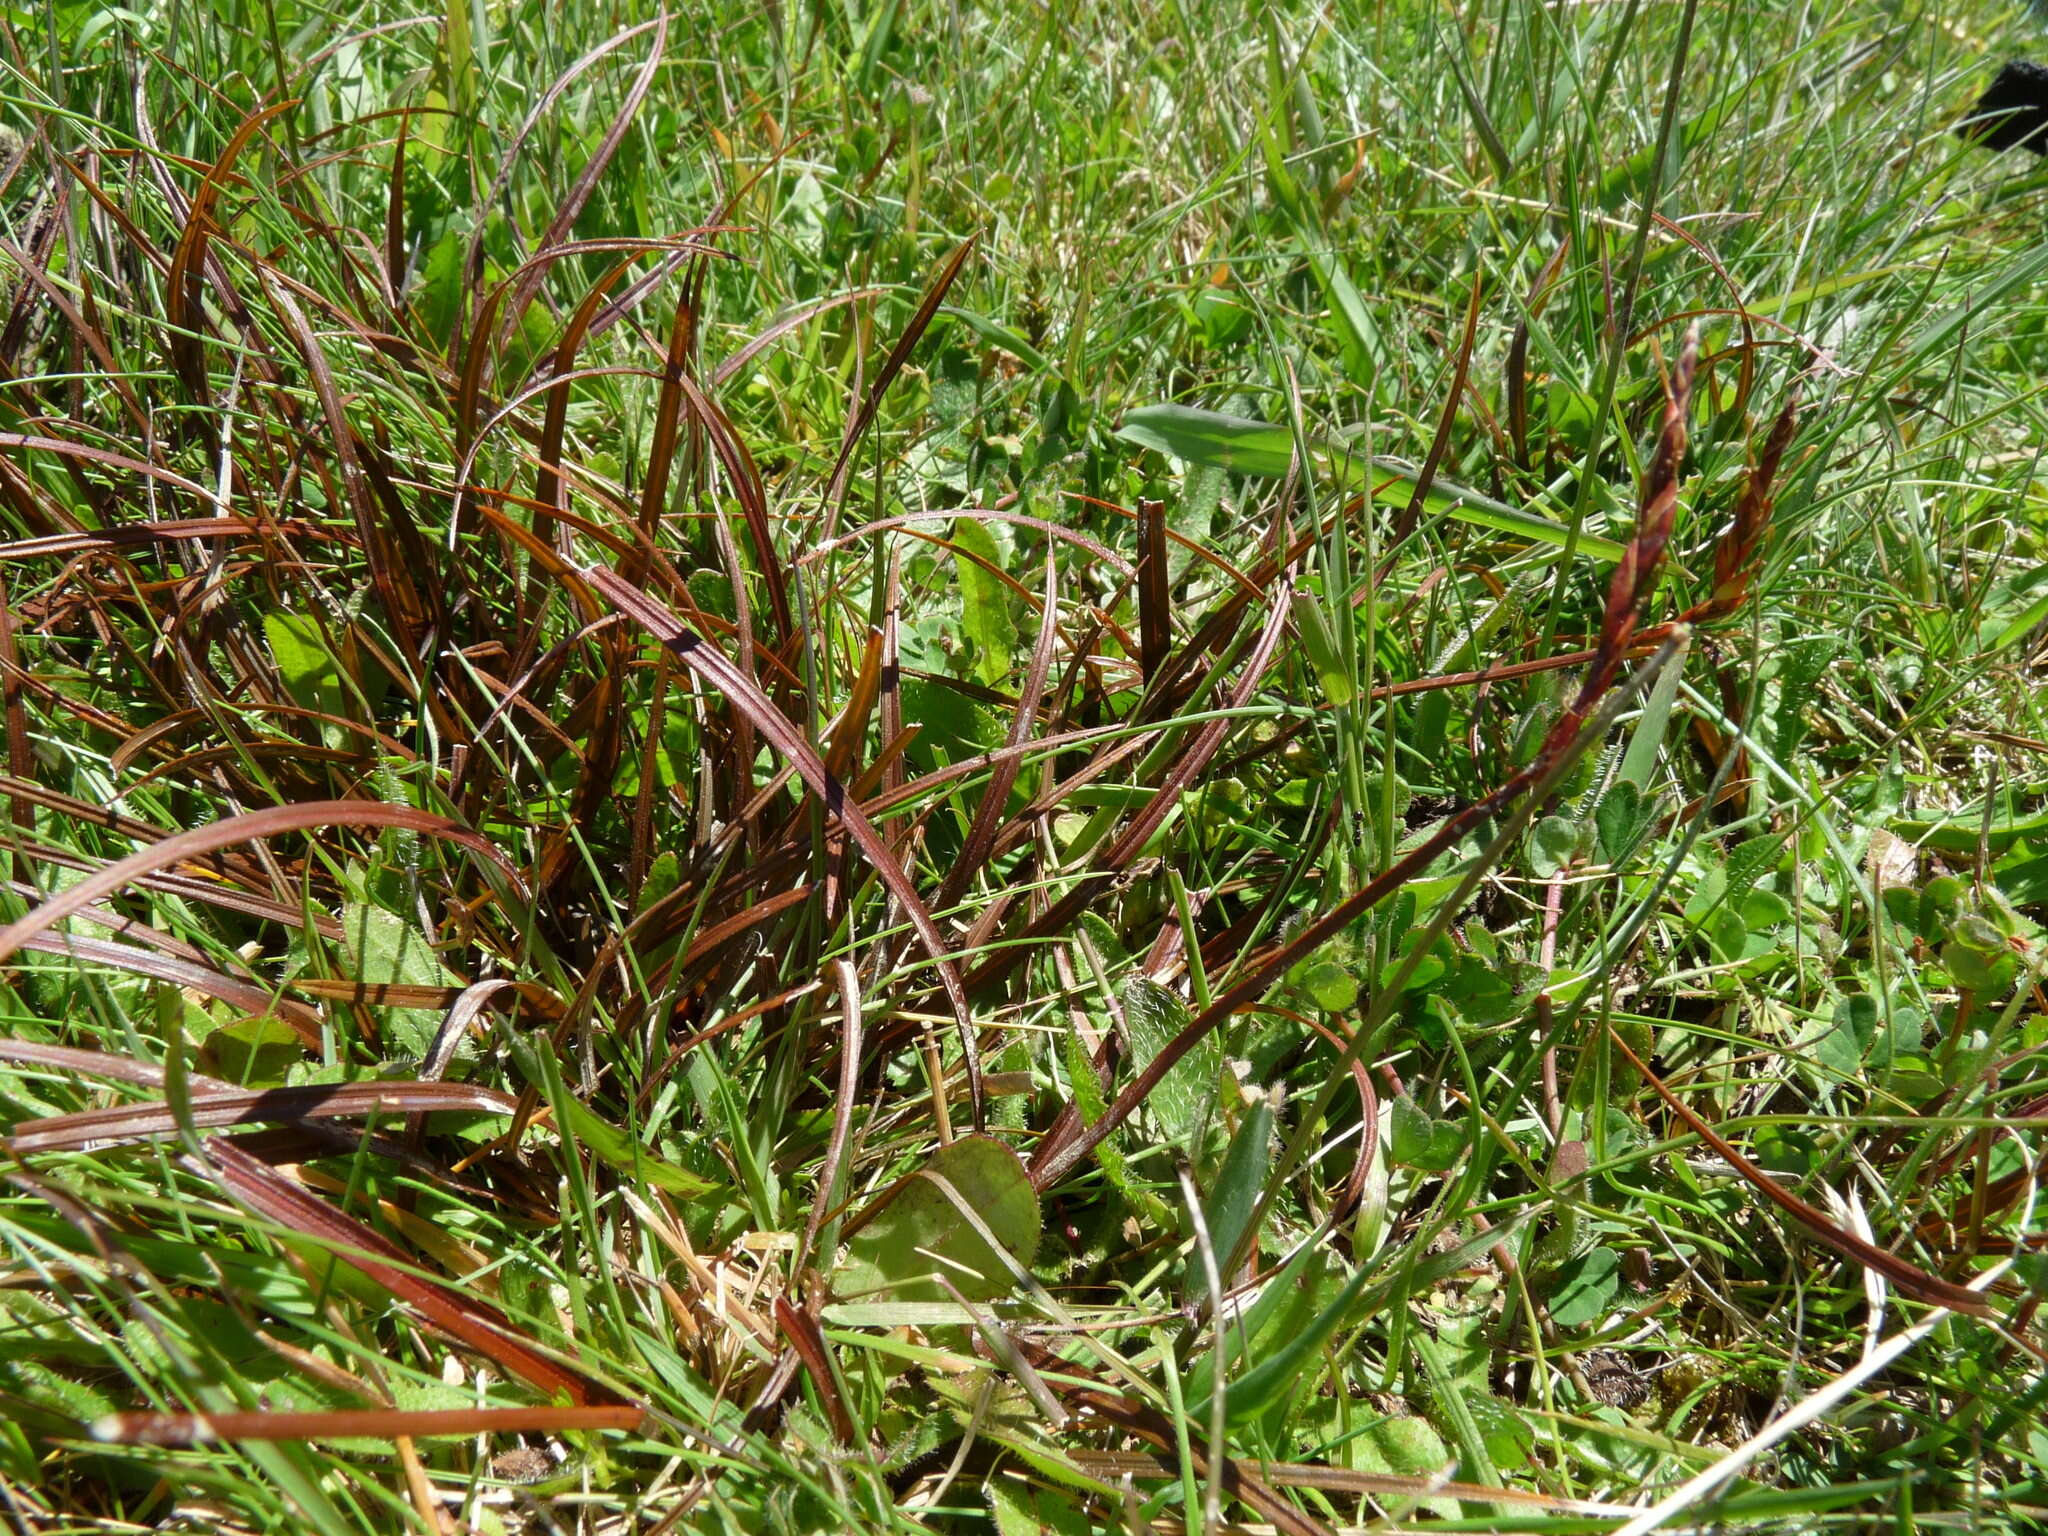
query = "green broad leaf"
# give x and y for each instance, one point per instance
(438, 293)
(1182, 1099)
(1215, 438)
(614, 1146)
(1228, 1210)
(1464, 1351)
(1429, 969)
(1624, 814)
(2024, 882)
(2021, 625)
(1333, 986)
(1509, 1437)
(1552, 845)
(1279, 140)
(1451, 1399)
(386, 950)
(949, 725)
(288, 1467)
(1420, 1141)
(1222, 318)
(1586, 1288)
(1025, 1509)
(311, 674)
(1788, 1152)
(1192, 516)
(1802, 663)
(1707, 896)
(924, 1315)
(985, 616)
(1406, 1446)
(1748, 862)
(1483, 992)
(1351, 322)
(664, 875)
(1088, 1098)
(1321, 645)
(1028, 1444)
(455, 61)
(712, 591)
(1901, 904)
(32, 1385)
(1265, 449)
(1731, 940)
(1902, 1040)
(917, 1229)
(1842, 1049)
(674, 763)
(1977, 955)
(1571, 413)
(1764, 910)
(1646, 738)
(256, 1052)
(1941, 902)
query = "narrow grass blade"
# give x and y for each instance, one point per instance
(193, 1429)
(1910, 1278)
(935, 295)
(1265, 449)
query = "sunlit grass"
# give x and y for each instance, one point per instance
(933, 711)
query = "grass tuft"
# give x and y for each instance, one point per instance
(1064, 769)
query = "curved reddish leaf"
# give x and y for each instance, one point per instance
(319, 1101)
(242, 829)
(251, 997)
(715, 668)
(476, 1323)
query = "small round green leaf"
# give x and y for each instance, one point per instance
(1586, 1288)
